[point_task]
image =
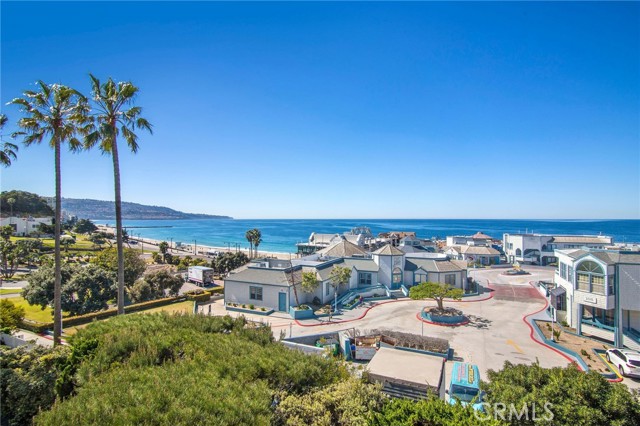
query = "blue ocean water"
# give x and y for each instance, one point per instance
(281, 235)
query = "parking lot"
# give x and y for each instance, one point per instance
(496, 332)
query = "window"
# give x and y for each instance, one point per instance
(397, 276)
(590, 277)
(419, 278)
(255, 293)
(518, 252)
(611, 285)
(364, 278)
(327, 289)
(563, 271)
(450, 279)
(570, 273)
(597, 317)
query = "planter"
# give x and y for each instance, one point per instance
(444, 319)
(257, 311)
(300, 313)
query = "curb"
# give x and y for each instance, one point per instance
(441, 324)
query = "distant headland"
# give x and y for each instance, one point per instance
(105, 210)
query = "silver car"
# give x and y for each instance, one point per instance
(627, 361)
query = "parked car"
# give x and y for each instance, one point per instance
(627, 361)
(464, 387)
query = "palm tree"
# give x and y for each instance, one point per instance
(60, 113)
(257, 239)
(9, 150)
(249, 236)
(115, 117)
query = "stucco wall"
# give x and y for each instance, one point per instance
(238, 292)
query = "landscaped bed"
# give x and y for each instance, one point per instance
(580, 345)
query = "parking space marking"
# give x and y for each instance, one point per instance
(515, 345)
(611, 366)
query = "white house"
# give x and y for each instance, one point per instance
(270, 282)
(598, 294)
(24, 226)
(538, 249)
(483, 255)
(478, 239)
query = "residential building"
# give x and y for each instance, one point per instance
(24, 226)
(538, 249)
(482, 255)
(270, 282)
(598, 294)
(478, 239)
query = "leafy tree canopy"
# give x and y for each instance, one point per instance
(576, 398)
(229, 261)
(83, 289)
(134, 265)
(309, 282)
(25, 203)
(435, 291)
(85, 226)
(10, 314)
(154, 285)
(340, 275)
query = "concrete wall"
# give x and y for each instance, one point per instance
(629, 287)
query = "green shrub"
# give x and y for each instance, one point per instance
(252, 306)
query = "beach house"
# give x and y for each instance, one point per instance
(24, 226)
(276, 284)
(598, 294)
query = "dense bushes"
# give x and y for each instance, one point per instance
(207, 368)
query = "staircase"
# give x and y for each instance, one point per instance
(396, 294)
(397, 390)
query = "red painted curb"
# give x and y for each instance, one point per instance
(441, 324)
(524, 318)
(349, 320)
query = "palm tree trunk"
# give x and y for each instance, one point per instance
(57, 293)
(120, 249)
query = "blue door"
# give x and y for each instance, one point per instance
(282, 302)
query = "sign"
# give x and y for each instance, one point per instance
(590, 299)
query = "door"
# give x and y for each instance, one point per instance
(282, 302)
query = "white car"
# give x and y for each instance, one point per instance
(627, 361)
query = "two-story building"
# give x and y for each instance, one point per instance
(25, 226)
(598, 294)
(538, 249)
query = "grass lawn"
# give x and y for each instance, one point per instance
(182, 307)
(10, 290)
(34, 313)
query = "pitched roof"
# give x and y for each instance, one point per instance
(388, 250)
(479, 250)
(433, 265)
(276, 277)
(362, 265)
(480, 236)
(343, 248)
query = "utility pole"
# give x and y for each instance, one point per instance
(195, 247)
(170, 245)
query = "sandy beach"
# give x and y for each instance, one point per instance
(200, 250)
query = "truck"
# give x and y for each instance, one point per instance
(200, 275)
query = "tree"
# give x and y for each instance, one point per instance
(43, 228)
(115, 118)
(11, 255)
(8, 152)
(249, 236)
(561, 396)
(26, 203)
(339, 276)
(97, 239)
(6, 232)
(309, 282)
(85, 226)
(257, 239)
(435, 291)
(163, 247)
(10, 314)
(11, 201)
(60, 113)
(349, 402)
(28, 249)
(229, 261)
(84, 289)
(134, 265)
(154, 285)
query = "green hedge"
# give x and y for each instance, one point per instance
(217, 290)
(38, 327)
(204, 297)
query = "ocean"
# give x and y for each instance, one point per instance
(281, 235)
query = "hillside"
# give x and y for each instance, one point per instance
(105, 210)
(21, 203)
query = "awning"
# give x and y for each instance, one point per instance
(558, 291)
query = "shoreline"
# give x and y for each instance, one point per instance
(202, 249)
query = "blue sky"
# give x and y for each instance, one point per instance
(348, 110)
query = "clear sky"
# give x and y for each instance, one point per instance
(348, 110)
